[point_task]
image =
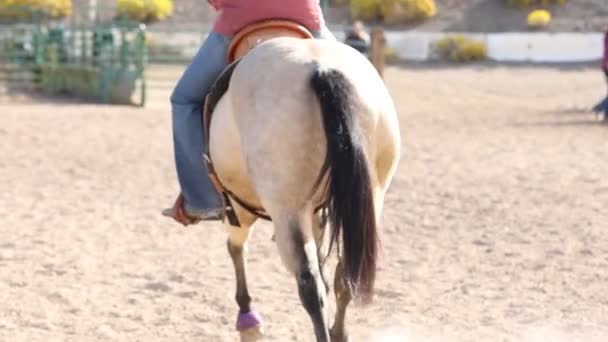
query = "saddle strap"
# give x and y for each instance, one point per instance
(219, 88)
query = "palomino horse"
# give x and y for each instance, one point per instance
(306, 123)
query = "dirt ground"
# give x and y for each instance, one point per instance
(495, 228)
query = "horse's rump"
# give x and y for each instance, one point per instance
(277, 115)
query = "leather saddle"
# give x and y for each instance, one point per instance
(259, 32)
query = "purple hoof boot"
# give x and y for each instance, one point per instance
(248, 320)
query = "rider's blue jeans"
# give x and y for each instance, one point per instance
(187, 102)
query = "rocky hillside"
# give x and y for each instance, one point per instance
(494, 16)
(453, 15)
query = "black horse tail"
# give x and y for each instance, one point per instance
(348, 188)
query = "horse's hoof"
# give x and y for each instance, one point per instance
(249, 325)
(339, 337)
(252, 334)
(248, 320)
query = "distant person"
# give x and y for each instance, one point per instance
(358, 38)
(603, 105)
(605, 69)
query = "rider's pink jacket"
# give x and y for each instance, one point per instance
(236, 14)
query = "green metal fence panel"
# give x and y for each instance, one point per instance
(17, 53)
(103, 61)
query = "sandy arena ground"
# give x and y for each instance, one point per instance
(495, 229)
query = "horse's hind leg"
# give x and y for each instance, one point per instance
(341, 289)
(296, 243)
(321, 233)
(249, 322)
(343, 298)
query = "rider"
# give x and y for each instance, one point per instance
(198, 199)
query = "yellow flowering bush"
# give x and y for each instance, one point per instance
(365, 9)
(402, 11)
(145, 10)
(159, 9)
(393, 11)
(539, 18)
(25, 9)
(459, 48)
(132, 9)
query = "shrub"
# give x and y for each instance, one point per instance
(25, 9)
(145, 10)
(393, 11)
(132, 9)
(539, 18)
(390, 54)
(159, 9)
(365, 9)
(403, 11)
(459, 48)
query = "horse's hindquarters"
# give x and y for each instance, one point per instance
(275, 118)
(226, 152)
(279, 121)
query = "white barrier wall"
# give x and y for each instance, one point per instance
(417, 46)
(542, 47)
(408, 46)
(508, 47)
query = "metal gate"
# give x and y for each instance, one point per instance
(102, 61)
